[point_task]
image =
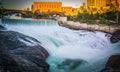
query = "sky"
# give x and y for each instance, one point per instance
(23, 4)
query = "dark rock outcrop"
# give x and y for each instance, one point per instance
(2, 27)
(115, 37)
(21, 53)
(113, 64)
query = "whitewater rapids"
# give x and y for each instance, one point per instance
(71, 50)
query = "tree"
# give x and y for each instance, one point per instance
(114, 8)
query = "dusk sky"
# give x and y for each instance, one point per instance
(23, 4)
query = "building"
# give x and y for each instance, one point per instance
(118, 1)
(116, 4)
(96, 3)
(90, 3)
(103, 3)
(46, 7)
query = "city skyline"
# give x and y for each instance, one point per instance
(23, 4)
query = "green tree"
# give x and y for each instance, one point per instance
(114, 8)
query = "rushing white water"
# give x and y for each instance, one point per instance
(71, 50)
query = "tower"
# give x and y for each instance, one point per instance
(115, 3)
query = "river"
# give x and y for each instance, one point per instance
(70, 50)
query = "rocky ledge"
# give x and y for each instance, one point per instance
(113, 64)
(2, 27)
(115, 37)
(21, 53)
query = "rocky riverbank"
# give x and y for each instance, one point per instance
(84, 26)
(115, 36)
(113, 64)
(112, 29)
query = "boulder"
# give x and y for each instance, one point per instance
(21, 53)
(113, 64)
(115, 37)
(2, 27)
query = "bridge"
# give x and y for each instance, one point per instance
(10, 11)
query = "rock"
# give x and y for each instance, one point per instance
(2, 27)
(113, 64)
(22, 53)
(115, 37)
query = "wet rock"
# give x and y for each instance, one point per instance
(115, 37)
(21, 53)
(2, 27)
(113, 64)
(70, 65)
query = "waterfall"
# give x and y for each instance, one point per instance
(28, 21)
(70, 50)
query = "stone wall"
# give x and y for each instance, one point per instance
(63, 19)
(100, 27)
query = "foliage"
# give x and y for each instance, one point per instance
(114, 11)
(27, 14)
(102, 20)
(112, 16)
(111, 12)
(46, 15)
(92, 22)
(87, 16)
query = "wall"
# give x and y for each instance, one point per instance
(100, 27)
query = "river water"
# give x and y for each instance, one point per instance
(70, 50)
